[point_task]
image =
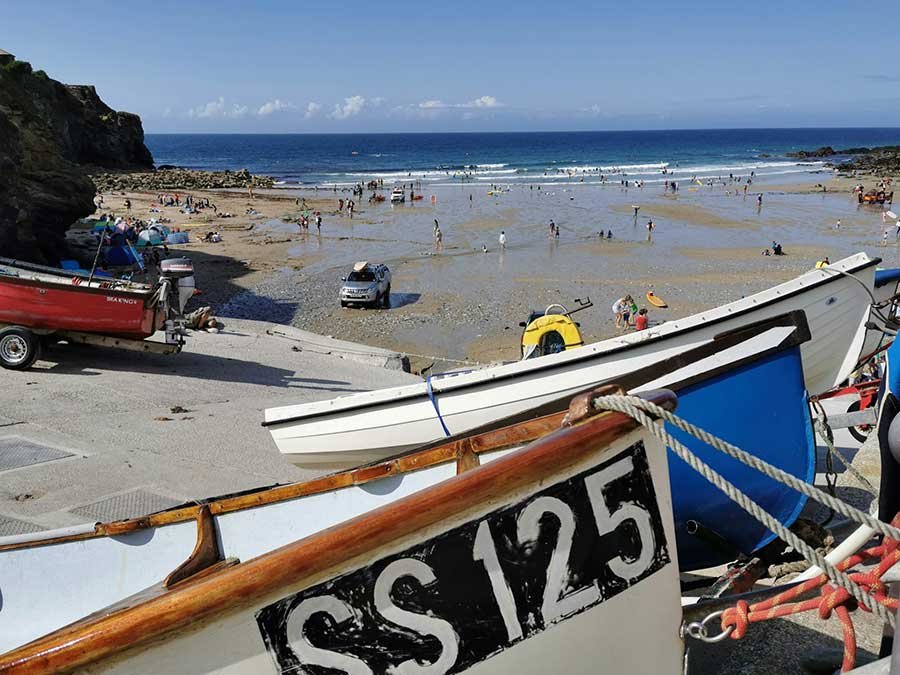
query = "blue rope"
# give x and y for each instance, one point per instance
(434, 402)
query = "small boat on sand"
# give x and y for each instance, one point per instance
(443, 580)
(361, 427)
(37, 300)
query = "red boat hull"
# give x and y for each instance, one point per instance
(56, 306)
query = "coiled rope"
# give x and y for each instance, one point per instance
(641, 410)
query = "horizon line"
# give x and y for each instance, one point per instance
(533, 131)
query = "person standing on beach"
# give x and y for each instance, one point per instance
(318, 222)
(622, 311)
(552, 229)
(650, 227)
(438, 238)
(502, 240)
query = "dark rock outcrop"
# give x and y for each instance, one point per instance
(826, 151)
(50, 134)
(172, 178)
(884, 161)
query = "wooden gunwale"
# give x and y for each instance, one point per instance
(492, 440)
(109, 635)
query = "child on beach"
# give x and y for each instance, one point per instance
(502, 240)
(640, 322)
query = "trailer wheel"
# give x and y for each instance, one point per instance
(19, 348)
(862, 431)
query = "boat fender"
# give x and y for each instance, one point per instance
(434, 403)
(893, 440)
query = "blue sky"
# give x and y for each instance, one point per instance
(272, 66)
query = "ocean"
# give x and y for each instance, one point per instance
(507, 158)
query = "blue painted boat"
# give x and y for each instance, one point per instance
(889, 435)
(883, 277)
(761, 407)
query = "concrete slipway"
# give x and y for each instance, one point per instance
(101, 421)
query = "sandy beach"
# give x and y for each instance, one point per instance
(458, 305)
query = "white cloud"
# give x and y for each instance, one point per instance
(484, 102)
(352, 106)
(218, 108)
(275, 106)
(312, 109)
(480, 102)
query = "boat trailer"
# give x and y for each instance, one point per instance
(861, 415)
(21, 346)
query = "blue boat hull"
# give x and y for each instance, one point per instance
(762, 408)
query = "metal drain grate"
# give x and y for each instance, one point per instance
(126, 505)
(16, 452)
(11, 526)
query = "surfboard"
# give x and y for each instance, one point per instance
(655, 300)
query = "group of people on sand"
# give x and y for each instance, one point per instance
(627, 315)
(304, 219)
(775, 250)
(187, 205)
(350, 206)
(554, 230)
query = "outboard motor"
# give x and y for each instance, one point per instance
(178, 276)
(181, 271)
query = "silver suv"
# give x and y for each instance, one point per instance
(367, 285)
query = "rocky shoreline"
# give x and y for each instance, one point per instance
(882, 160)
(175, 178)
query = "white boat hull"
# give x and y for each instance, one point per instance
(363, 427)
(612, 626)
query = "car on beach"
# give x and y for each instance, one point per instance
(368, 285)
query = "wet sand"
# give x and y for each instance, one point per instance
(464, 305)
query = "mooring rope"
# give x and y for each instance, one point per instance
(640, 410)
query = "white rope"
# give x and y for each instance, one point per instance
(637, 408)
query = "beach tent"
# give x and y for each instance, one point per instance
(178, 238)
(154, 235)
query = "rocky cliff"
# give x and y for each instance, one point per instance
(51, 135)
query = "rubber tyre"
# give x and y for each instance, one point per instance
(19, 348)
(343, 304)
(860, 433)
(386, 298)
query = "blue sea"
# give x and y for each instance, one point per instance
(535, 157)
